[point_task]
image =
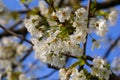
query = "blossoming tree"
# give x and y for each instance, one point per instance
(60, 32)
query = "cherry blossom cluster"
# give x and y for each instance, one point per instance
(115, 66)
(9, 52)
(23, 77)
(99, 70)
(62, 32)
(4, 18)
(72, 74)
(51, 42)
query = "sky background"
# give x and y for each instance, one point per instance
(113, 33)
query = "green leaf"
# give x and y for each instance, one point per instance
(34, 11)
(22, 1)
(93, 6)
(75, 64)
(15, 15)
(107, 66)
(102, 13)
(50, 1)
(15, 75)
(25, 1)
(81, 62)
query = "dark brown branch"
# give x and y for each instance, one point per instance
(21, 31)
(61, 3)
(107, 4)
(51, 6)
(27, 7)
(16, 24)
(46, 76)
(102, 5)
(22, 11)
(32, 66)
(14, 34)
(88, 20)
(111, 47)
(26, 55)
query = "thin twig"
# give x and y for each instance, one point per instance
(27, 54)
(21, 31)
(46, 76)
(16, 24)
(88, 20)
(61, 3)
(51, 6)
(22, 11)
(14, 34)
(31, 67)
(107, 4)
(27, 7)
(111, 48)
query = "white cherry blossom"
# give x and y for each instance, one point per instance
(101, 27)
(63, 14)
(43, 7)
(98, 62)
(113, 16)
(81, 13)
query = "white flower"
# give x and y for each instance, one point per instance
(4, 64)
(53, 42)
(31, 24)
(80, 24)
(79, 76)
(112, 17)
(0, 76)
(63, 14)
(52, 23)
(49, 53)
(64, 74)
(41, 49)
(58, 61)
(21, 49)
(5, 14)
(99, 69)
(95, 71)
(95, 44)
(78, 36)
(72, 49)
(34, 40)
(81, 13)
(72, 74)
(23, 77)
(43, 7)
(115, 64)
(101, 27)
(98, 62)
(104, 73)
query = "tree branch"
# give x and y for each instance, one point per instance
(26, 55)
(46, 76)
(107, 4)
(111, 47)
(88, 20)
(14, 34)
